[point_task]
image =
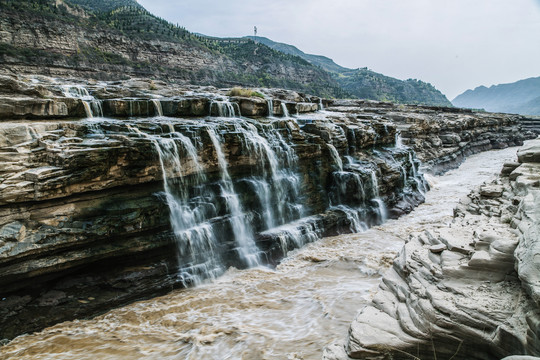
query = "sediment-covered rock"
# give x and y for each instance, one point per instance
(469, 290)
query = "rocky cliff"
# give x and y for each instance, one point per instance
(172, 186)
(114, 39)
(119, 39)
(469, 290)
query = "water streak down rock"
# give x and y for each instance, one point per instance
(98, 212)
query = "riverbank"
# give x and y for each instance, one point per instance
(467, 289)
(292, 311)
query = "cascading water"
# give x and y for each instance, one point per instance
(92, 106)
(188, 214)
(243, 233)
(336, 159)
(285, 110)
(270, 103)
(398, 140)
(157, 107)
(223, 108)
(417, 178)
(276, 161)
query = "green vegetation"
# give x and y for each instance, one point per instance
(238, 91)
(244, 62)
(367, 84)
(103, 6)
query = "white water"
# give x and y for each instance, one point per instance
(157, 107)
(243, 234)
(270, 102)
(224, 108)
(336, 159)
(285, 110)
(92, 106)
(291, 312)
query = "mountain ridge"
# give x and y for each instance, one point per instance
(522, 97)
(365, 83)
(108, 39)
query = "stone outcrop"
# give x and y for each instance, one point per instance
(469, 290)
(84, 220)
(442, 137)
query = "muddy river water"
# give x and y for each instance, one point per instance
(291, 312)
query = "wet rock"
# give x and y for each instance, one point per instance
(428, 299)
(529, 154)
(491, 191)
(251, 107)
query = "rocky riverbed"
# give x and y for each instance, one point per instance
(465, 290)
(131, 189)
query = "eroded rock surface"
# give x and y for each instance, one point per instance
(85, 223)
(469, 290)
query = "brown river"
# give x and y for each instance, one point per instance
(291, 312)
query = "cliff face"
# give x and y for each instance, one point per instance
(61, 39)
(465, 291)
(101, 211)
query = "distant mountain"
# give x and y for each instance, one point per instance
(318, 60)
(521, 97)
(364, 83)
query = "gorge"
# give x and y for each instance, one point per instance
(113, 192)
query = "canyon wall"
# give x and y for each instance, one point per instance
(158, 194)
(467, 290)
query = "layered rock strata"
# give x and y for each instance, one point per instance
(90, 208)
(469, 290)
(442, 137)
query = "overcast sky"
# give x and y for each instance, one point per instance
(453, 44)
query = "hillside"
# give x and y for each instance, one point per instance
(521, 97)
(117, 39)
(364, 83)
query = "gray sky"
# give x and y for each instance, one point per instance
(453, 44)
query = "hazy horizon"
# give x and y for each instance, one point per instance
(455, 45)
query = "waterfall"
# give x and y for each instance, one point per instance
(285, 110)
(270, 102)
(276, 162)
(92, 106)
(335, 157)
(223, 108)
(87, 109)
(355, 224)
(398, 140)
(417, 177)
(243, 233)
(381, 210)
(157, 107)
(195, 238)
(295, 234)
(321, 106)
(381, 207)
(263, 193)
